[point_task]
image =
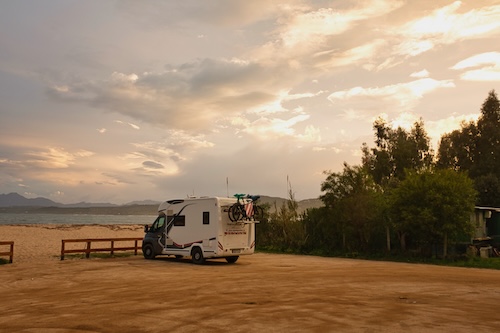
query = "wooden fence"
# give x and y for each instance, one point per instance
(10, 254)
(112, 248)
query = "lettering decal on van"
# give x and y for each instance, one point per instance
(235, 232)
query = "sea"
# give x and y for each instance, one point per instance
(88, 219)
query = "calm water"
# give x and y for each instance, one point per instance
(9, 218)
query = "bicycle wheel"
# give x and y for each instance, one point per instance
(235, 212)
(258, 213)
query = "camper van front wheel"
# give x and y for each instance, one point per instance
(197, 256)
(148, 251)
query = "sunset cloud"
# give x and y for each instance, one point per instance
(55, 157)
(447, 25)
(481, 67)
(397, 97)
(154, 98)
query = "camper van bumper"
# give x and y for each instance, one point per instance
(235, 252)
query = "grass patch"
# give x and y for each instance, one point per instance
(489, 263)
(459, 261)
(3, 261)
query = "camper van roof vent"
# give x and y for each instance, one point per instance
(175, 201)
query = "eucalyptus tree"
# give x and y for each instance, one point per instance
(396, 151)
(475, 148)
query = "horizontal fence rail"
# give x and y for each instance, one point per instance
(10, 254)
(112, 248)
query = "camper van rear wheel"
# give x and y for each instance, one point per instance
(148, 251)
(232, 260)
(197, 256)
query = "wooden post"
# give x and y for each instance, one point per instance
(87, 252)
(112, 247)
(62, 250)
(11, 252)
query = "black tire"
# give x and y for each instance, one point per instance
(148, 251)
(235, 212)
(258, 213)
(197, 256)
(232, 260)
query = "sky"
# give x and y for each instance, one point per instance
(117, 101)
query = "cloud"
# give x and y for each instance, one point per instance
(54, 157)
(134, 126)
(268, 128)
(421, 74)
(152, 165)
(446, 26)
(165, 157)
(437, 128)
(202, 95)
(239, 81)
(218, 12)
(395, 98)
(366, 54)
(487, 67)
(189, 97)
(311, 27)
(112, 178)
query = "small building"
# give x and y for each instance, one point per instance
(487, 228)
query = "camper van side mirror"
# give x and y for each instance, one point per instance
(146, 228)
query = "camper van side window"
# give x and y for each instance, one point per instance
(206, 217)
(179, 220)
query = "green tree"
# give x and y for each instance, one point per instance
(323, 236)
(457, 149)
(283, 230)
(475, 148)
(488, 140)
(395, 151)
(434, 204)
(353, 197)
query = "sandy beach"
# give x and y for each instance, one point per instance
(259, 293)
(42, 242)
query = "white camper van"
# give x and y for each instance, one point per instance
(200, 228)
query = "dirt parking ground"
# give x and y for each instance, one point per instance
(260, 293)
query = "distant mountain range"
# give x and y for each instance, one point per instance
(17, 200)
(16, 203)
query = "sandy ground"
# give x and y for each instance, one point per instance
(260, 293)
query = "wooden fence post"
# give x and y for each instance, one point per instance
(87, 252)
(62, 250)
(11, 252)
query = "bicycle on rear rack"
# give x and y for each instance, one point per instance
(245, 208)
